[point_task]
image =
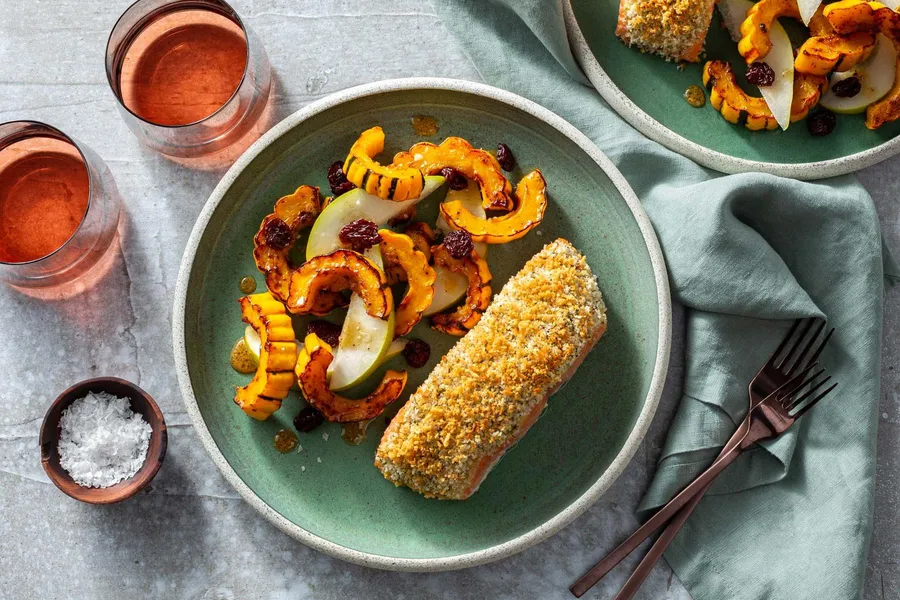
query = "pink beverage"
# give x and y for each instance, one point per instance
(59, 208)
(191, 79)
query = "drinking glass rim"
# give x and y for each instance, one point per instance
(65, 137)
(188, 5)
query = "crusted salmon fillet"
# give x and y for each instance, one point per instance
(492, 386)
(674, 29)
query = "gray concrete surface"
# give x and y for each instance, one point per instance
(190, 536)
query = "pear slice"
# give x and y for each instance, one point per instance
(733, 14)
(807, 9)
(449, 288)
(364, 340)
(252, 341)
(470, 197)
(395, 348)
(358, 204)
(780, 95)
(875, 74)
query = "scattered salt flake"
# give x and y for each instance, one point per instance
(299, 448)
(884, 415)
(325, 436)
(302, 468)
(318, 459)
(102, 441)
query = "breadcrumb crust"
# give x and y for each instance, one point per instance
(481, 395)
(670, 28)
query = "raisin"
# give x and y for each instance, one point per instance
(327, 331)
(337, 179)
(505, 157)
(417, 353)
(342, 188)
(459, 244)
(455, 179)
(360, 234)
(760, 74)
(308, 419)
(821, 122)
(277, 234)
(847, 88)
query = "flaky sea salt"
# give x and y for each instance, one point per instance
(102, 441)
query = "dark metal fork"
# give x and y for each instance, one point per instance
(781, 378)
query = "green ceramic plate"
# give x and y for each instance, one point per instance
(647, 91)
(342, 505)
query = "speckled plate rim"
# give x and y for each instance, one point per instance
(704, 156)
(553, 524)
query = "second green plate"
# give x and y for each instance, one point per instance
(648, 92)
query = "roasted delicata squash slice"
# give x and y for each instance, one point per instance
(406, 263)
(478, 293)
(476, 164)
(312, 377)
(278, 233)
(531, 203)
(821, 55)
(277, 356)
(737, 107)
(422, 236)
(391, 182)
(755, 42)
(330, 273)
(850, 16)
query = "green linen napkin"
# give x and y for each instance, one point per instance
(746, 255)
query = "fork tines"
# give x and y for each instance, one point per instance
(795, 358)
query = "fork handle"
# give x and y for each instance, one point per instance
(656, 551)
(659, 519)
(649, 561)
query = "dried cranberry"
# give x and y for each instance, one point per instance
(327, 331)
(760, 74)
(821, 122)
(459, 243)
(337, 179)
(277, 234)
(342, 188)
(416, 353)
(847, 88)
(455, 179)
(360, 234)
(505, 157)
(308, 419)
